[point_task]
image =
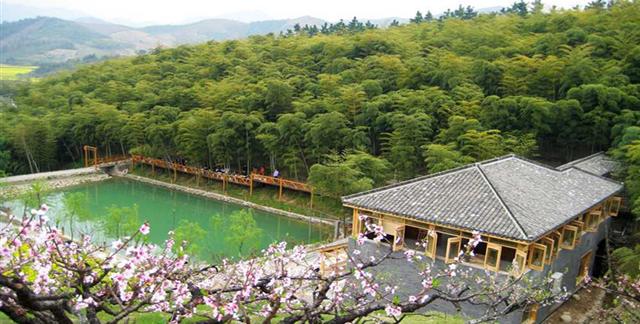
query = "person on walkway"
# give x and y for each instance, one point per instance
(261, 170)
(276, 173)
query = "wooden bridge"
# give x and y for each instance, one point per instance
(225, 178)
(91, 157)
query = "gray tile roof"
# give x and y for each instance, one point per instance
(509, 197)
(598, 163)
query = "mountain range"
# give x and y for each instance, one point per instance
(53, 40)
(49, 40)
(59, 36)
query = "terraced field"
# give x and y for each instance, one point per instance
(13, 72)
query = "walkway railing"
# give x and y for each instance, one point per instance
(224, 177)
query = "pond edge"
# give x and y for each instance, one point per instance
(233, 200)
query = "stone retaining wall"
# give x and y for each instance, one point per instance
(12, 188)
(233, 200)
(50, 175)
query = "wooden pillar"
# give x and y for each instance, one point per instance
(86, 161)
(355, 226)
(224, 183)
(280, 191)
(95, 158)
(251, 184)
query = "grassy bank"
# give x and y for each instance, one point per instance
(293, 201)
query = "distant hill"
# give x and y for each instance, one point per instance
(47, 40)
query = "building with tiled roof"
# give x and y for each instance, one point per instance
(535, 220)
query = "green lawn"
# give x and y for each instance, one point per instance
(12, 72)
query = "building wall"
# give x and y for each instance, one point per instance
(405, 275)
(568, 263)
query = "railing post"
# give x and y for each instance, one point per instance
(280, 191)
(251, 184)
(311, 204)
(86, 163)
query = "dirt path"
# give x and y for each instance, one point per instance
(581, 307)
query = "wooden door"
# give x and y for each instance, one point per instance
(432, 243)
(453, 248)
(521, 262)
(398, 242)
(492, 257)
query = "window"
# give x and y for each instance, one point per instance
(607, 207)
(555, 236)
(568, 239)
(398, 240)
(492, 257)
(583, 272)
(432, 242)
(536, 256)
(580, 225)
(519, 261)
(549, 243)
(453, 248)
(615, 206)
(592, 221)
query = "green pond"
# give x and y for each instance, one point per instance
(223, 231)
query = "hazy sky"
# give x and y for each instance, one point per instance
(179, 11)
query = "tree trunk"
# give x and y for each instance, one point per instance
(304, 159)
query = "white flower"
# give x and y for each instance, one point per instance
(116, 244)
(144, 229)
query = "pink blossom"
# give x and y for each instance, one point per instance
(144, 229)
(393, 311)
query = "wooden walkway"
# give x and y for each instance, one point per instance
(224, 177)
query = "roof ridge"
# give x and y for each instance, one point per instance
(535, 163)
(428, 176)
(504, 205)
(582, 159)
(593, 174)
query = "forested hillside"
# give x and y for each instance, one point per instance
(352, 109)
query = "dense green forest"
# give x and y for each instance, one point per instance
(351, 109)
